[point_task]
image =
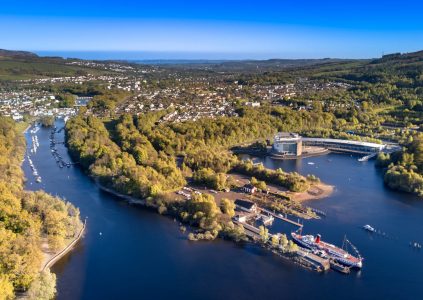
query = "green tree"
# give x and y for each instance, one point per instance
(264, 234)
(228, 207)
(6, 288)
(275, 240)
(283, 241)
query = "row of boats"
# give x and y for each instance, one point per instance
(34, 170)
(59, 159)
(35, 144)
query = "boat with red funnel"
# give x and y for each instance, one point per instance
(340, 255)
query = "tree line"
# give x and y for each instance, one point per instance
(27, 220)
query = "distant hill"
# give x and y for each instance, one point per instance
(16, 54)
(389, 66)
(18, 65)
(242, 65)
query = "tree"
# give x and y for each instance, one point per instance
(264, 234)
(228, 207)
(6, 288)
(283, 241)
(43, 287)
(220, 180)
(292, 247)
(47, 121)
(275, 240)
(66, 100)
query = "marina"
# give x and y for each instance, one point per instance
(53, 143)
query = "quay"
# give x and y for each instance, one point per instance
(302, 256)
(316, 261)
(250, 230)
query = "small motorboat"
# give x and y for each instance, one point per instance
(369, 228)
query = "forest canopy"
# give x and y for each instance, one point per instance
(27, 219)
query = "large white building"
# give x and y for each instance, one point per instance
(287, 144)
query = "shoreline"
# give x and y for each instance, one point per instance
(51, 260)
(316, 191)
(129, 199)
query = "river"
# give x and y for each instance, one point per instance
(130, 252)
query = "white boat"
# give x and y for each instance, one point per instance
(369, 228)
(340, 255)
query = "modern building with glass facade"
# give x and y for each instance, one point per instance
(287, 144)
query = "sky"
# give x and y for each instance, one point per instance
(213, 29)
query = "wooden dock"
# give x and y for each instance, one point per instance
(250, 230)
(316, 261)
(282, 217)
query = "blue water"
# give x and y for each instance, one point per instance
(142, 255)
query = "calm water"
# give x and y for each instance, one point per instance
(141, 255)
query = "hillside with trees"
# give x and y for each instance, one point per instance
(404, 170)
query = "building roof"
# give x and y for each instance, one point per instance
(244, 203)
(249, 186)
(346, 142)
(287, 136)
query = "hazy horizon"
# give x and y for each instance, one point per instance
(139, 55)
(220, 29)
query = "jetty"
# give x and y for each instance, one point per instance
(317, 262)
(281, 217)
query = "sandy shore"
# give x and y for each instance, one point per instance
(316, 191)
(51, 257)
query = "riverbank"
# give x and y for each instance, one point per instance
(50, 258)
(129, 199)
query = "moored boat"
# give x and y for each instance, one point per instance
(335, 253)
(369, 228)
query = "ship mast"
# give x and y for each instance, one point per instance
(345, 244)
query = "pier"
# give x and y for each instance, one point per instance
(281, 217)
(303, 256)
(316, 261)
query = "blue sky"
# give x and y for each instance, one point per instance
(215, 29)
